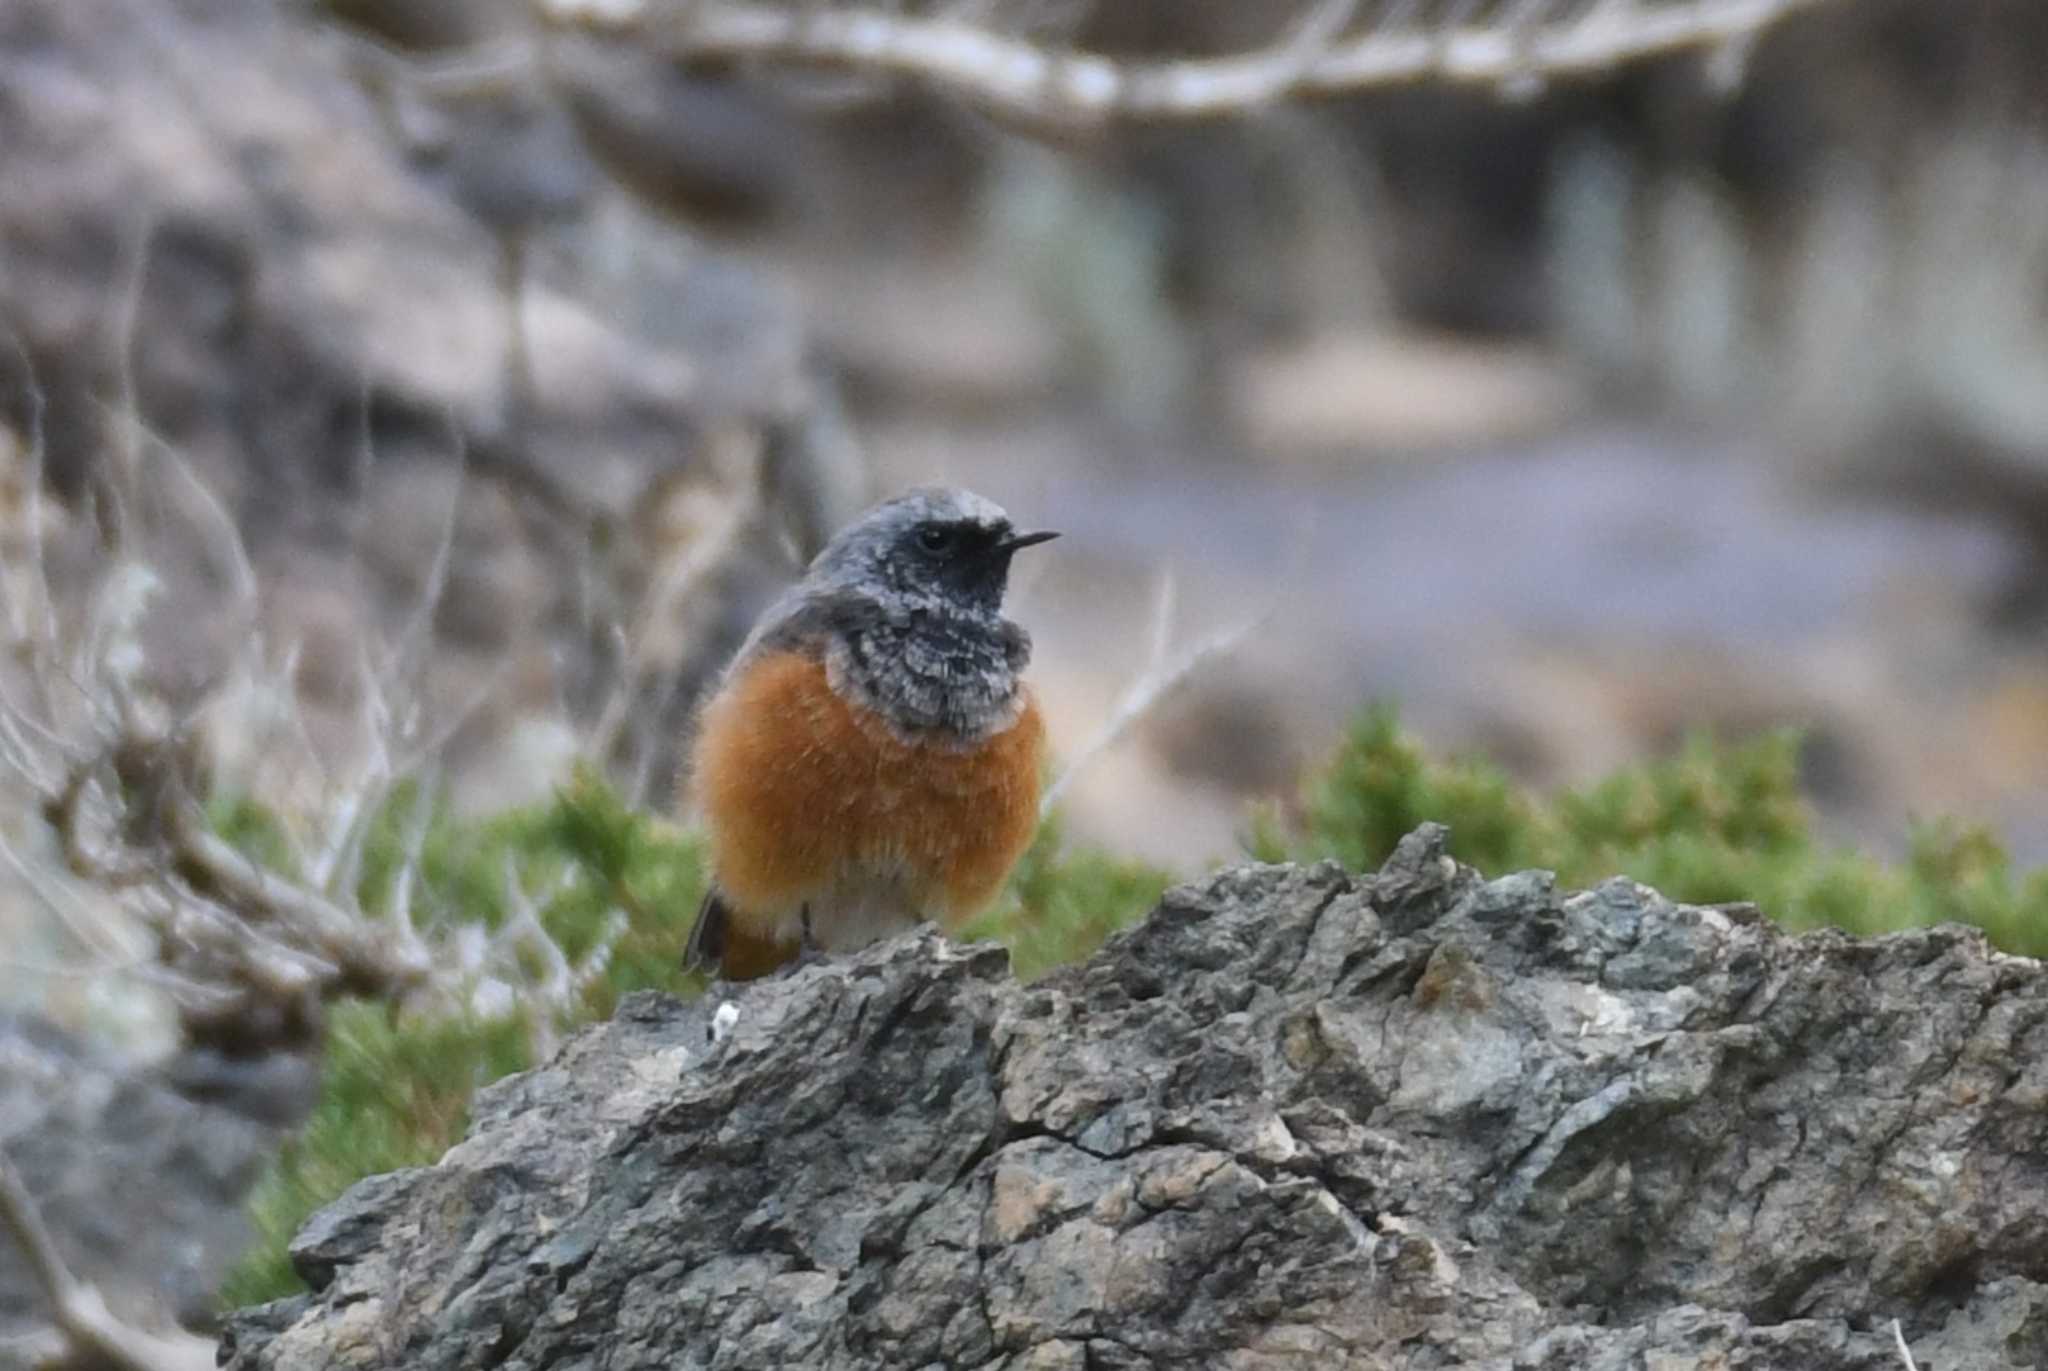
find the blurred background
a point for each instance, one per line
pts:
(413, 403)
(1701, 386)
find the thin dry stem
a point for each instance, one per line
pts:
(523, 928)
(418, 824)
(1165, 672)
(128, 310)
(31, 608)
(410, 648)
(218, 528)
(429, 749)
(88, 926)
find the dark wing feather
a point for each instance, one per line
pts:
(706, 949)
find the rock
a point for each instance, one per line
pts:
(1371, 397)
(1296, 1118)
(306, 278)
(141, 1173)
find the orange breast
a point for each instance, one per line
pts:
(799, 791)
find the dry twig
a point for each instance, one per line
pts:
(1165, 672)
(88, 1329)
(1024, 80)
(118, 774)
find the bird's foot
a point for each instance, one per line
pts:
(808, 952)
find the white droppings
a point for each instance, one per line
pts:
(722, 1020)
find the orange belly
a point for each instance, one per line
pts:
(809, 804)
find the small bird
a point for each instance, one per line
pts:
(871, 759)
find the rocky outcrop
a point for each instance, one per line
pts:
(1297, 1118)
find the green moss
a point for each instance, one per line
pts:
(1716, 822)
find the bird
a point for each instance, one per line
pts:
(871, 759)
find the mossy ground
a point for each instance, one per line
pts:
(1713, 823)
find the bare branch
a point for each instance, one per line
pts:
(87, 1326)
(1320, 27)
(360, 951)
(285, 935)
(1038, 86)
(523, 927)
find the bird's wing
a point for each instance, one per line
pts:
(726, 948)
(706, 949)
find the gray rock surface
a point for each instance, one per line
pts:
(1294, 1119)
(237, 214)
(141, 1181)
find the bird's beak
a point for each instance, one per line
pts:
(1017, 540)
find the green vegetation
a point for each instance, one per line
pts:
(1717, 822)
(396, 1089)
(1714, 823)
(1063, 901)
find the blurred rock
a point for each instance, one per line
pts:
(313, 301)
(299, 280)
(509, 154)
(1295, 1119)
(716, 154)
(139, 1172)
(936, 334)
(1349, 394)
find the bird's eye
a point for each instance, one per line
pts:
(933, 538)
